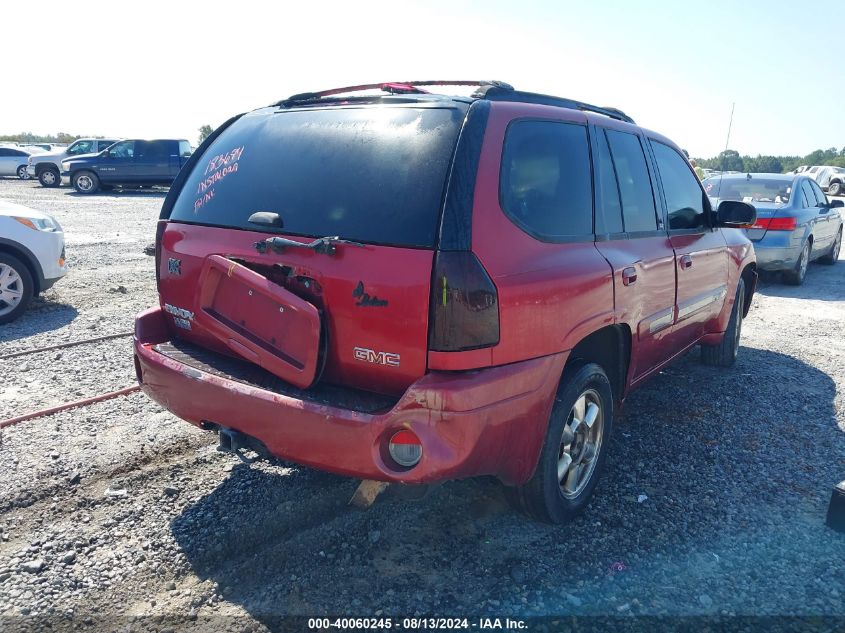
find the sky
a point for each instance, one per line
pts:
(157, 69)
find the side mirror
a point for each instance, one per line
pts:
(735, 215)
(836, 204)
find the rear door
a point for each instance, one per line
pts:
(152, 161)
(700, 251)
(632, 237)
(7, 162)
(372, 175)
(826, 227)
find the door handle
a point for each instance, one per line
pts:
(685, 262)
(629, 276)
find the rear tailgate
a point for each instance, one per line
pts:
(355, 316)
(375, 339)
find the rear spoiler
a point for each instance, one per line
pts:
(179, 182)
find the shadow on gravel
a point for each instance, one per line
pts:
(737, 466)
(43, 315)
(824, 283)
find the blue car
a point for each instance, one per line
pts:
(796, 223)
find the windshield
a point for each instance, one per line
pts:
(370, 174)
(749, 190)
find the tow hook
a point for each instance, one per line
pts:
(232, 441)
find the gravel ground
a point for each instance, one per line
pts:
(119, 510)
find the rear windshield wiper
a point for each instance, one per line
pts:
(324, 245)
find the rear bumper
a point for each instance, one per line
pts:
(778, 250)
(484, 422)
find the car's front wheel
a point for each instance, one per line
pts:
(573, 452)
(16, 287)
(835, 189)
(50, 178)
(795, 277)
(86, 182)
(23, 174)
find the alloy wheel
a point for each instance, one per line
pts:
(84, 183)
(11, 289)
(580, 444)
(48, 177)
(23, 174)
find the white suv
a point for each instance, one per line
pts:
(32, 256)
(47, 167)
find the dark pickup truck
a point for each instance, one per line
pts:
(131, 162)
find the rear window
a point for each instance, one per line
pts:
(372, 174)
(772, 190)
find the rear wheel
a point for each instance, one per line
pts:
(573, 452)
(835, 189)
(795, 277)
(49, 177)
(23, 174)
(86, 182)
(16, 287)
(833, 256)
(724, 354)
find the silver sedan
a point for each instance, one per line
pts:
(796, 223)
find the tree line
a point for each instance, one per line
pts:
(730, 160)
(29, 137)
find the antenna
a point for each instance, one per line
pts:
(727, 142)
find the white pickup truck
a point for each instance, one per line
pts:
(47, 166)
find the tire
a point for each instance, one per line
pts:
(50, 177)
(545, 496)
(724, 354)
(85, 182)
(16, 287)
(835, 189)
(795, 277)
(22, 173)
(833, 255)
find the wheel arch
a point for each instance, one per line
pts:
(610, 348)
(29, 260)
(44, 165)
(749, 277)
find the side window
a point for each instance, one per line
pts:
(822, 199)
(101, 145)
(546, 186)
(809, 196)
(638, 208)
(81, 147)
(124, 149)
(152, 150)
(185, 149)
(684, 198)
(610, 218)
(17, 152)
(5, 152)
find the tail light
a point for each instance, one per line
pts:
(464, 304)
(405, 448)
(159, 234)
(776, 224)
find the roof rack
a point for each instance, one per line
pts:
(492, 90)
(391, 87)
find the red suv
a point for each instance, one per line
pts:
(396, 285)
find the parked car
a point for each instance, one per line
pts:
(32, 257)
(132, 162)
(13, 161)
(830, 179)
(415, 287)
(796, 223)
(47, 167)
